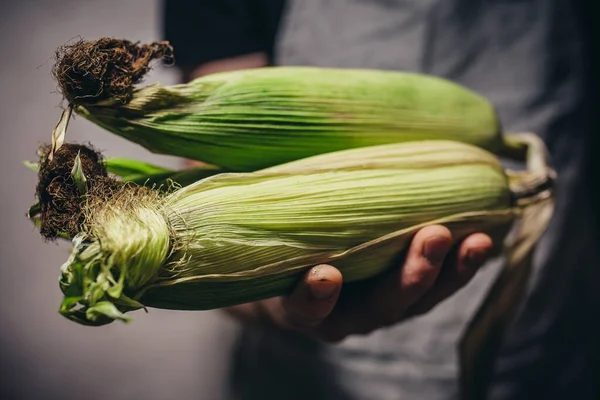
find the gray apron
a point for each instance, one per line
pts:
(525, 56)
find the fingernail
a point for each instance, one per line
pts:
(323, 289)
(475, 258)
(435, 249)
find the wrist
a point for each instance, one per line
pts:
(246, 61)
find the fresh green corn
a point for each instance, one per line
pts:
(239, 237)
(284, 114)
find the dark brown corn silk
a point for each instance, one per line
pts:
(91, 71)
(61, 203)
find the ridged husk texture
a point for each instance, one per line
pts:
(239, 237)
(289, 113)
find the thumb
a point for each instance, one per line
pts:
(312, 300)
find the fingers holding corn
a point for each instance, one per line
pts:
(432, 271)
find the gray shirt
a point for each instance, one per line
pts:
(526, 56)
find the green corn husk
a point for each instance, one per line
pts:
(239, 237)
(142, 173)
(289, 113)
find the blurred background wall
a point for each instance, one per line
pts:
(161, 355)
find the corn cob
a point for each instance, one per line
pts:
(239, 237)
(283, 113)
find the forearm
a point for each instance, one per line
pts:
(246, 61)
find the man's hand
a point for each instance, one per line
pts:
(431, 272)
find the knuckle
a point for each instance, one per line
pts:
(422, 279)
